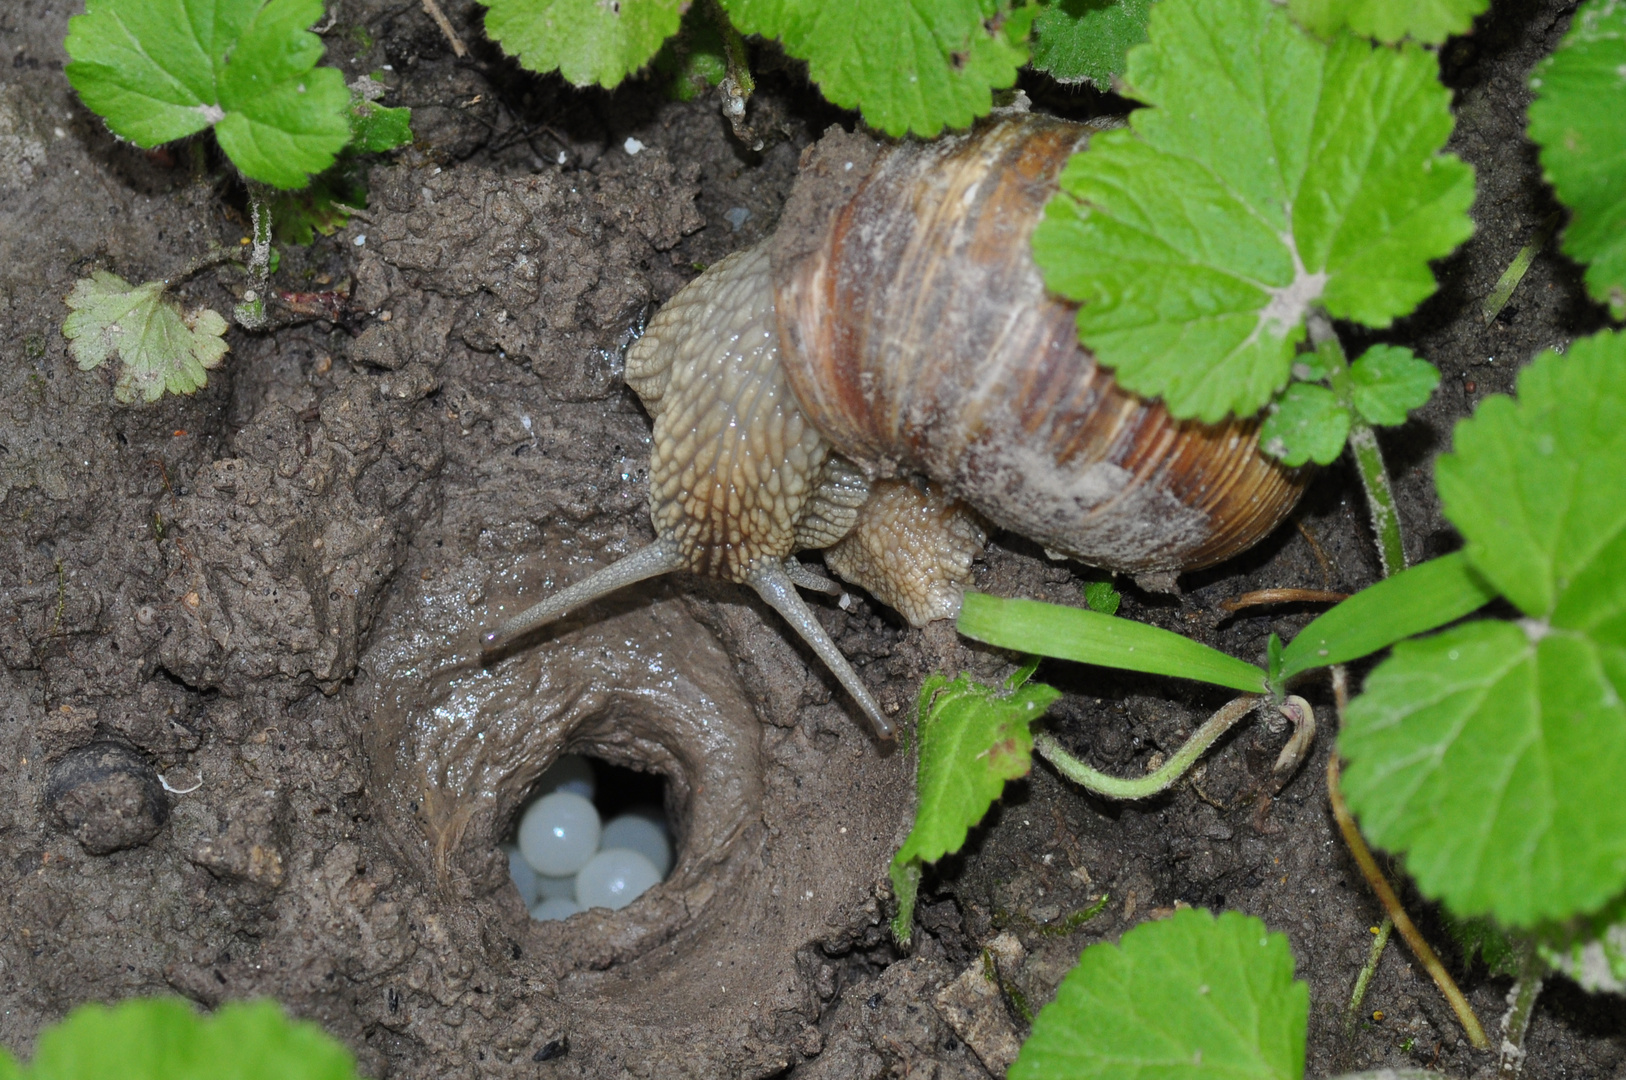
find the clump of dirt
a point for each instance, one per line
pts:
(246, 746)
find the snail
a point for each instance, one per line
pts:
(886, 377)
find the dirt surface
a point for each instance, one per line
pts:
(245, 745)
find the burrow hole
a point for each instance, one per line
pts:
(590, 834)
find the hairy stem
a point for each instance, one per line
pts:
(737, 85)
(1380, 497)
(1363, 446)
(1521, 1003)
(1385, 892)
(250, 314)
(1363, 981)
(1113, 787)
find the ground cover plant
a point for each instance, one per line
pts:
(1271, 341)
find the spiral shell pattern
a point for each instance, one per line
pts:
(918, 336)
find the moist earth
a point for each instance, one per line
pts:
(247, 747)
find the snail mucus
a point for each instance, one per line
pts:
(886, 377)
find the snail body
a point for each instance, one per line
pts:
(887, 373)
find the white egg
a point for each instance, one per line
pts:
(523, 877)
(552, 888)
(559, 833)
(641, 829)
(570, 772)
(555, 907)
(614, 878)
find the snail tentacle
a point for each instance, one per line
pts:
(659, 558)
(774, 584)
(805, 577)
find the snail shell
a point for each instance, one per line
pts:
(918, 336)
(888, 371)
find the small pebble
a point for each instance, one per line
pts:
(632, 146)
(736, 217)
(108, 797)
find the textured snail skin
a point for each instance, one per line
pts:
(888, 370)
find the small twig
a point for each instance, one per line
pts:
(1261, 597)
(445, 24)
(1385, 893)
(1363, 981)
(1315, 549)
(1521, 1004)
(217, 257)
(1163, 778)
(738, 85)
(1509, 281)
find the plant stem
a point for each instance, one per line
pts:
(1380, 497)
(1363, 981)
(1521, 1004)
(737, 85)
(1363, 445)
(250, 314)
(1163, 778)
(1385, 893)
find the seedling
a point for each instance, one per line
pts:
(165, 1039)
(160, 70)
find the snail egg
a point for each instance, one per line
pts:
(641, 829)
(555, 907)
(559, 833)
(554, 888)
(571, 772)
(525, 879)
(614, 878)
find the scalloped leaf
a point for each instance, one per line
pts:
(1190, 996)
(906, 66)
(1579, 121)
(1428, 22)
(1078, 41)
(1493, 755)
(586, 41)
(158, 70)
(1271, 173)
(973, 738)
(159, 347)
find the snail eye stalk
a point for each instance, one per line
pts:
(658, 558)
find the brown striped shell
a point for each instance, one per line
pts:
(918, 336)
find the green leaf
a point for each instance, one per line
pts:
(1102, 597)
(1579, 121)
(161, 349)
(9, 1070)
(973, 738)
(164, 1039)
(323, 207)
(586, 41)
(1272, 172)
(1093, 638)
(1484, 939)
(1535, 486)
(157, 70)
(255, 1041)
(1087, 40)
(1389, 381)
(1308, 423)
(1594, 953)
(143, 1039)
(697, 58)
(906, 66)
(1190, 996)
(1427, 21)
(1494, 755)
(375, 128)
(1414, 601)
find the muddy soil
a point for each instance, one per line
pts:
(246, 746)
